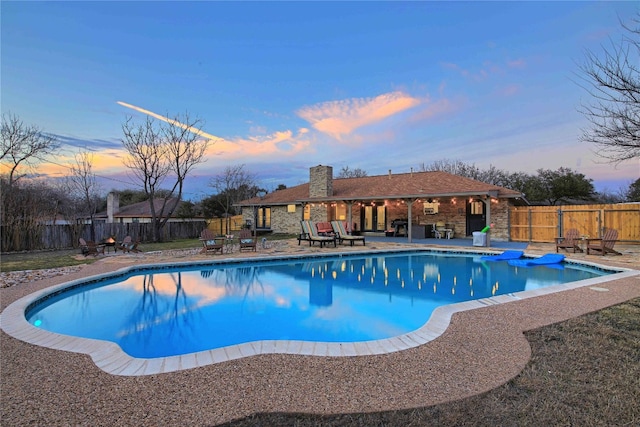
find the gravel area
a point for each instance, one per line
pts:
(480, 350)
(14, 278)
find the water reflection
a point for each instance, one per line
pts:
(183, 310)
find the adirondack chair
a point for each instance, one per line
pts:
(131, 247)
(570, 240)
(90, 248)
(247, 241)
(128, 245)
(210, 242)
(605, 244)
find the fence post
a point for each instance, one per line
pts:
(529, 219)
(560, 225)
(600, 231)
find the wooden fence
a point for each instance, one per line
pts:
(545, 223)
(66, 236)
(221, 226)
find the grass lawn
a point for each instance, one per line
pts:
(583, 372)
(67, 257)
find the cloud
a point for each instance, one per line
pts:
(437, 108)
(276, 143)
(196, 131)
(339, 118)
(87, 144)
(486, 70)
(281, 143)
(516, 63)
(509, 90)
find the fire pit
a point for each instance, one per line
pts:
(110, 243)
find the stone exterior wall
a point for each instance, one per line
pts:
(500, 217)
(319, 213)
(454, 214)
(321, 181)
(283, 221)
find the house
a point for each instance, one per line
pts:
(408, 203)
(136, 212)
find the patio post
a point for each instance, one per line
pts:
(409, 209)
(487, 201)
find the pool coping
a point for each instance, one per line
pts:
(110, 358)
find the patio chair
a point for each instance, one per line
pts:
(84, 249)
(125, 242)
(128, 245)
(211, 243)
(88, 247)
(440, 230)
(605, 244)
(325, 229)
(570, 240)
(247, 241)
(340, 231)
(310, 233)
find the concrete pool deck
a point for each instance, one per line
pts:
(479, 350)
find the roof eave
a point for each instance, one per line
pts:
(488, 193)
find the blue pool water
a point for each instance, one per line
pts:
(172, 311)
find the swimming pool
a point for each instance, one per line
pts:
(354, 304)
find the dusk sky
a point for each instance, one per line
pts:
(284, 86)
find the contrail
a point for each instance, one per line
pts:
(170, 121)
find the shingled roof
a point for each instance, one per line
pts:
(140, 209)
(392, 186)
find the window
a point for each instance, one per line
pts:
(340, 212)
(291, 208)
(307, 212)
(264, 218)
(476, 208)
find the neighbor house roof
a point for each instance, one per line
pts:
(392, 186)
(139, 210)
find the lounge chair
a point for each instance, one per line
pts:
(547, 259)
(570, 240)
(604, 245)
(90, 248)
(211, 243)
(504, 256)
(340, 231)
(247, 241)
(310, 233)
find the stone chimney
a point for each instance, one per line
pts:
(113, 206)
(321, 181)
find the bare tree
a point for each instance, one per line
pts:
(613, 81)
(26, 206)
(233, 185)
(159, 152)
(492, 175)
(347, 172)
(83, 185)
(23, 146)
